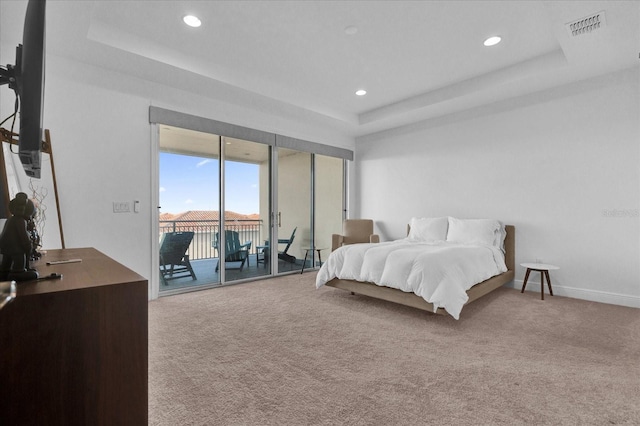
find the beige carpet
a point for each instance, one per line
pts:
(280, 352)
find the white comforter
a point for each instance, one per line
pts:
(440, 273)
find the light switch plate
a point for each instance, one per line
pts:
(121, 207)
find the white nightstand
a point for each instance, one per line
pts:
(544, 269)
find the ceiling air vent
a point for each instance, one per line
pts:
(586, 25)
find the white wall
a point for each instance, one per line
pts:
(556, 164)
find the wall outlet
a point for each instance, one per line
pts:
(121, 207)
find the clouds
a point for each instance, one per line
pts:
(203, 162)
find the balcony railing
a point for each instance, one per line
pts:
(204, 234)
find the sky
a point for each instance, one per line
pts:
(191, 183)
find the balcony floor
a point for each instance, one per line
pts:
(205, 271)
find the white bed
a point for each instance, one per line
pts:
(441, 261)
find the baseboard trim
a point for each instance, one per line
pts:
(580, 293)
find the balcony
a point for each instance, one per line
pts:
(202, 246)
(204, 256)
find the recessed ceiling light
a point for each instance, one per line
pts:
(192, 21)
(361, 92)
(492, 41)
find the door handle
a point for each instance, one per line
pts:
(279, 219)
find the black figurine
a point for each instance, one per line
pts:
(15, 241)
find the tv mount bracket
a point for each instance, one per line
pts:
(11, 73)
(8, 76)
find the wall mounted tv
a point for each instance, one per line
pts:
(26, 78)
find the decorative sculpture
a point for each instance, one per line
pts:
(16, 243)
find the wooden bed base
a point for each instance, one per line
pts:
(410, 299)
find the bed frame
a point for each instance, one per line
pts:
(410, 299)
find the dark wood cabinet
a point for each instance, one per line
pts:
(74, 351)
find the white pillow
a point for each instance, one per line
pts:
(428, 229)
(501, 235)
(488, 232)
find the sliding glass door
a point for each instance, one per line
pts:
(310, 207)
(329, 204)
(237, 203)
(194, 252)
(189, 195)
(247, 209)
(293, 221)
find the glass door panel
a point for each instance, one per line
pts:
(247, 195)
(189, 171)
(293, 218)
(329, 205)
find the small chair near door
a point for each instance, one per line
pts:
(262, 254)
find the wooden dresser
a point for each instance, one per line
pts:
(73, 351)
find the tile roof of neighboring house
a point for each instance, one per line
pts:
(195, 218)
(166, 216)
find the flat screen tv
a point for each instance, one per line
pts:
(26, 78)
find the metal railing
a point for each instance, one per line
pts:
(204, 234)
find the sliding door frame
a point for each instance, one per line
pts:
(158, 116)
(154, 276)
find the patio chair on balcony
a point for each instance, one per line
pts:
(174, 259)
(233, 250)
(283, 255)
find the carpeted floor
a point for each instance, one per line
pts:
(280, 352)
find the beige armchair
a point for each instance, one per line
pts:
(355, 231)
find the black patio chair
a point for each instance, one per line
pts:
(234, 251)
(174, 260)
(283, 255)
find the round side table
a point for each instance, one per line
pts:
(544, 269)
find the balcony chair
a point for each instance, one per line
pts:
(283, 255)
(174, 260)
(354, 231)
(233, 250)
